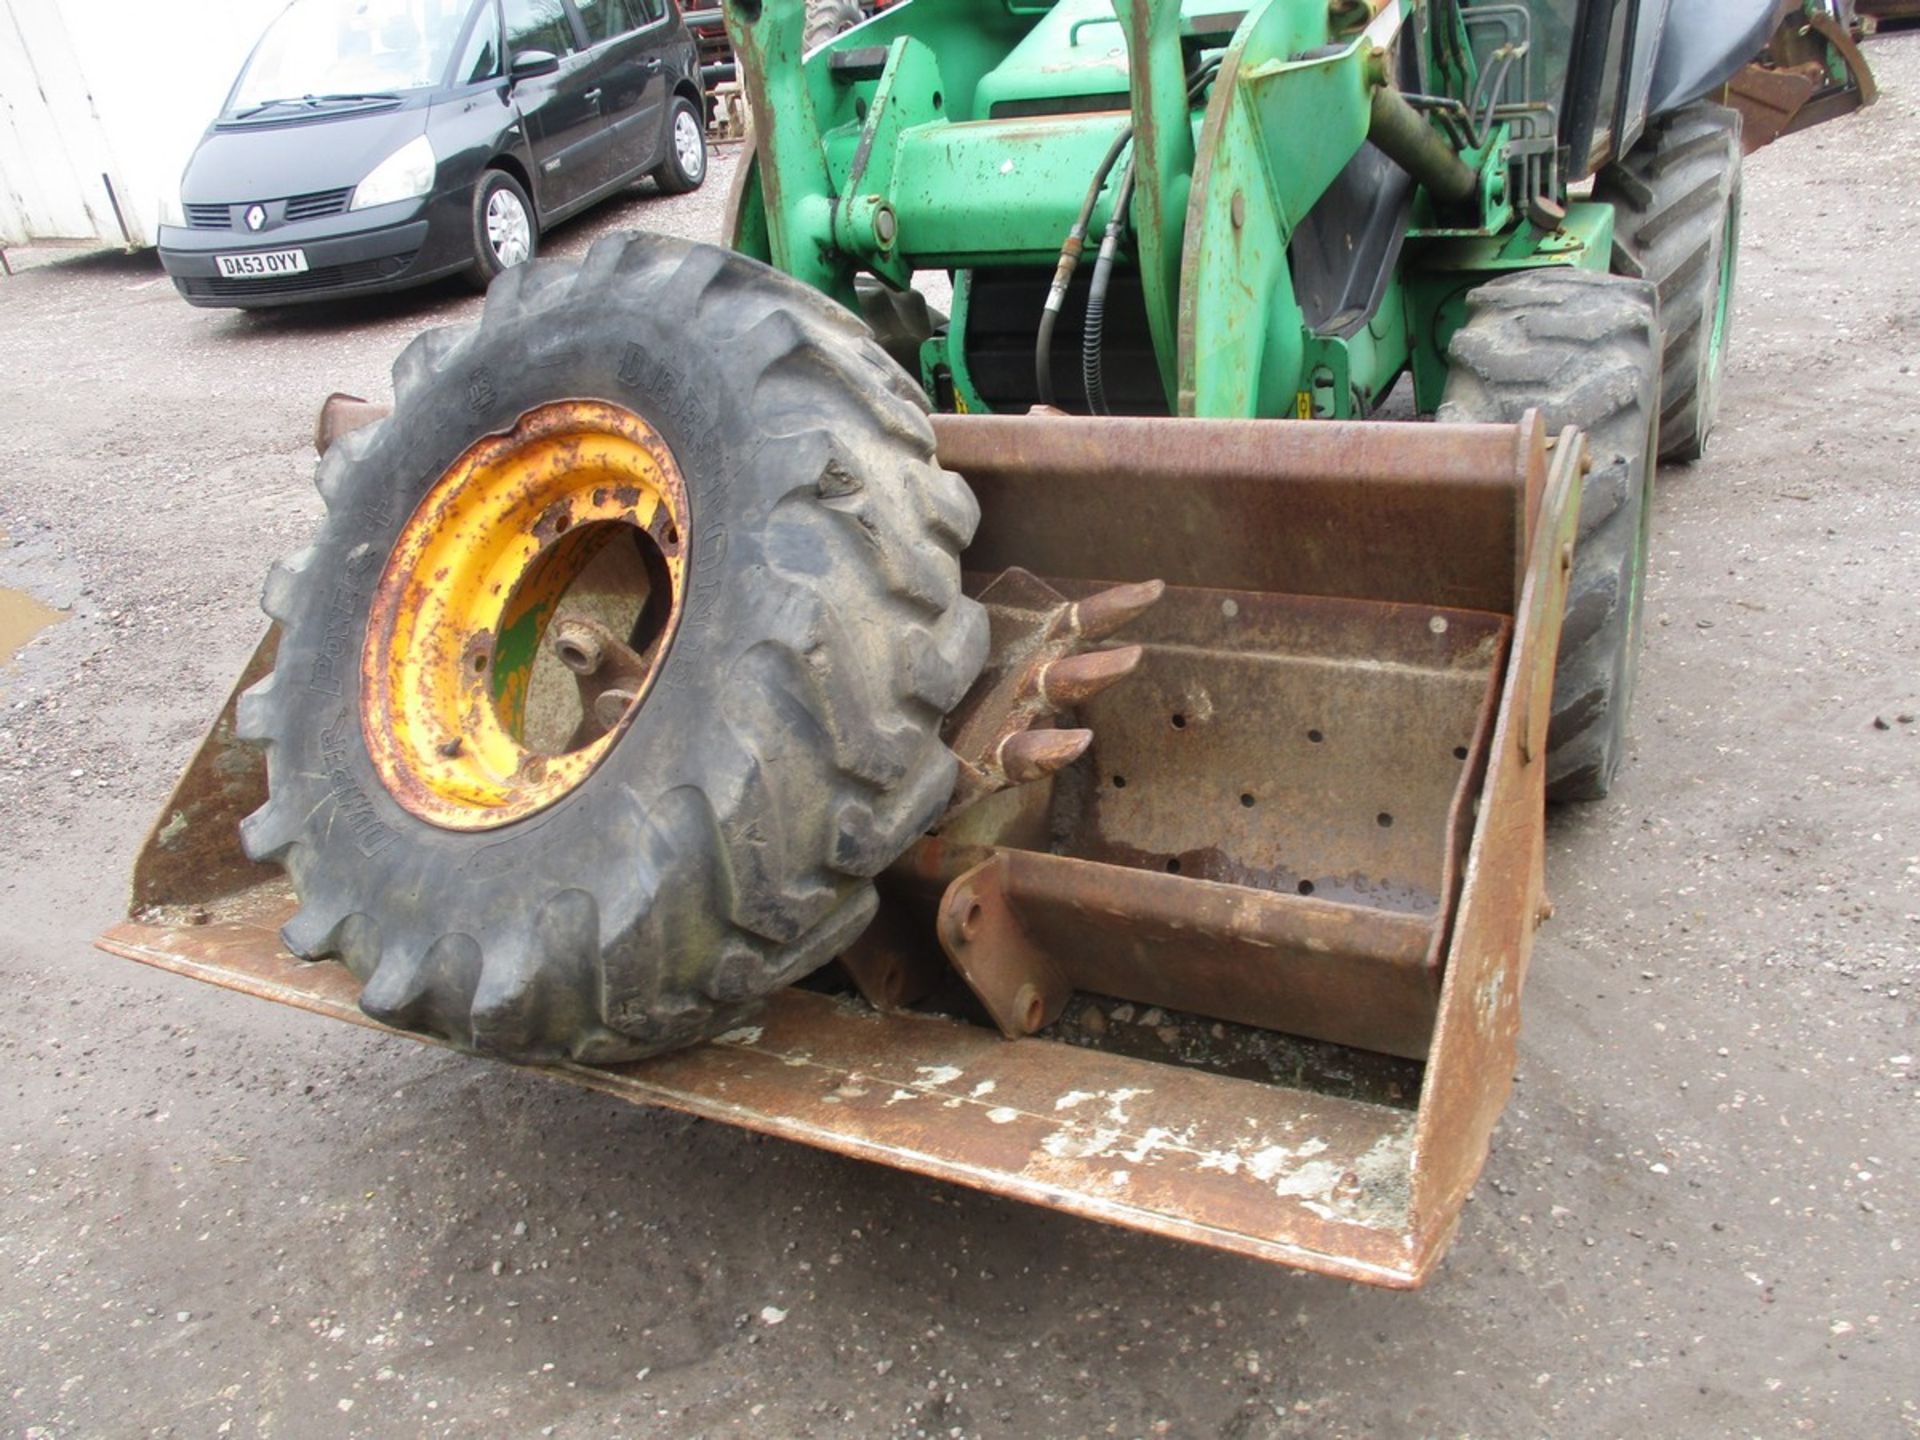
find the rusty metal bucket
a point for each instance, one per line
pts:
(1261, 948)
(1812, 71)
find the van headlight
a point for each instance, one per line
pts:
(172, 212)
(406, 174)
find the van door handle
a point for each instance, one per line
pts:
(592, 95)
(653, 63)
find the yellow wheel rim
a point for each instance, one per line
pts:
(487, 565)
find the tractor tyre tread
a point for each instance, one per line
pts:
(1676, 205)
(789, 749)
(1583, 349)
(828, 18)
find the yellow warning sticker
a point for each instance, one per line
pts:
(1303, 404)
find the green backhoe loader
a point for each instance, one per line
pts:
(1073, 745)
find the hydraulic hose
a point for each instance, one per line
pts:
(1076, 241)
(1091, 362)
(1069, 261)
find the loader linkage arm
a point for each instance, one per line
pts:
(907, 145)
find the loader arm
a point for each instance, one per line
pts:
(942, 138)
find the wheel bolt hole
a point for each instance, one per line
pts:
(673, 533)
(480, 663)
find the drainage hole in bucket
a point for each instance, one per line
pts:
(1459, 752)
(1305, 887)
(1247, 800)
(1173, 865)
(1384, 820)
(1315, 736)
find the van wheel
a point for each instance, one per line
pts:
(686, 163)
(505, 233)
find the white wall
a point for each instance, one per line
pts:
(114, 88)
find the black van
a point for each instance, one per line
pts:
(374, 144)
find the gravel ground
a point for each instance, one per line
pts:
(218, 1217)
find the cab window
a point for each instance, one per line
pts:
(649, 11)
(539, 25)
(480, 60)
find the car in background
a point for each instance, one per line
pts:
(370, 145)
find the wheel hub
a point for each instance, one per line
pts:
(688, 144)
(478, 704)
(509, 232)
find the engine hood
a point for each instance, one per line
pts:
(267, 159)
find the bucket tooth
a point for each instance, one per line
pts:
(1098, 616)
(1075, 679)
(1035, 754)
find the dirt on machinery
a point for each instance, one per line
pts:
(219, 1217)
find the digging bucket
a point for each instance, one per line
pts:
(1247, 973)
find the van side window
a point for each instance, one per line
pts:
(539, 25)
(606, 19)
(650, 10)
(481, 59)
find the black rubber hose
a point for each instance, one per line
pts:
(1076, 241)
(1068, 263)
(1092, 363)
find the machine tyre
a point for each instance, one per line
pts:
(1584, 350)
(901, 320)
(1676, 207)
(828, 18)
(787, 746)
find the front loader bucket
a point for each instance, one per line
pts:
(1812, 71)
(1262, 946)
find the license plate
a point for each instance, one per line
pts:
(262, 264)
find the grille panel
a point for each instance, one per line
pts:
(296, 207)
(321, 202)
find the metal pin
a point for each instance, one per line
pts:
(578, 647)
(610, 705)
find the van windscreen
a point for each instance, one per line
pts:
(350, 49)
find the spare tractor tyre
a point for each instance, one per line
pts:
(1676, 222)
(1583, 349)
(617, 669)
